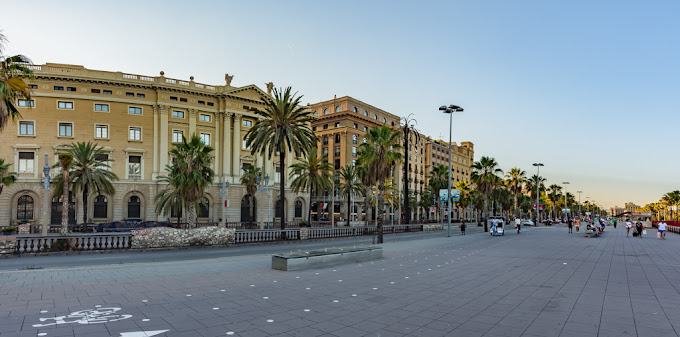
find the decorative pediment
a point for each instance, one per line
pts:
(250, 92)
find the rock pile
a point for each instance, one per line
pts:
(161, 237)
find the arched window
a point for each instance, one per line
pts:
(365, 113)
(325, 111)
(248, 214)
(298, 206)
(204, 208)
(100, 207)
(315, 113)
(134, 207)
(384, 120)
(337, 108)
(375, 117)
(25, 208)
(356, 110)
(277, 209)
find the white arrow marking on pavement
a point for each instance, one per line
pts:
(142, 333)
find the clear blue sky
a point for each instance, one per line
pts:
(589, 88)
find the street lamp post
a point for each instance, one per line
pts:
(565, 198)
(449, 110)
(264, 189)
(579, 203)
(224, 192)
(538, 183)
(46, 203)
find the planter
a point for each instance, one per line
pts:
(7, 232)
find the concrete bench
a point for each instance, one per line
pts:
(325, 257)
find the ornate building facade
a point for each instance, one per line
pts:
(135, 119)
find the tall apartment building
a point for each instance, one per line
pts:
(462, 158)
(135, 119)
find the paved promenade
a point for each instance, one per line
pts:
(543, 282)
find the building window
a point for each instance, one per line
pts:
(26, 162)
(355, 139)
(101, 131)
(95, 91)
(385, 120)
(205, 138)
(141, 95)
(245, 142)
(25, 208)
(28, 103)
(135, 133)
(313, 128)
(247, 123)
(364, 139)
(337, 124)
(201, 102)
(134, 207)
(100, 207)
(354, 151)
(337, 138)
(325, 140)
(325, 111)
(103, 157)
(136, 110)
(134, 167)
(337, 167)
(65, 129)
(58, 88)
(325, 151)
(356, 126)
(365, 128)
(177, 136)
(355, 109)
(107, 92)
(130, 94)
(298, 208)
(203, 210)
(315, 113)
(182, 99)
(337, 108)
(173, 98)
(70, 89)
(211, 103)
(365, 113)
(375, 117)
(26, 128)
(337, 151)
(177, 114)
(33, 86)
(205, 118)
(65, 105)
(325, 126)
(101, 107)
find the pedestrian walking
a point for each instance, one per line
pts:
(639, 227)
(570, 223)
(462, 228)
(614, 223)
(518, 224)
(662, 230)
(577, 223)
(629, 225)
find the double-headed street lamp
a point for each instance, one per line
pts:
(538, 184)
(449, 110)
(264, 189)
(565, 198)
(46, 185)
(579, 203)
(224, 192)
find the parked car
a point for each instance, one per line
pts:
(528, 223)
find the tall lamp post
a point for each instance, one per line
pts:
(538, 193)
(224, 192)
(46, 202)
(265, 188)
(449, 110)
(565, 198)
(579, 203)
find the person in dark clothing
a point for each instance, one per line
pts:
(570, 223)
(639, 228)
(462, 228)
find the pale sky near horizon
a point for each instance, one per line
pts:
(589, 88)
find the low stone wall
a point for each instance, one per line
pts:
(8, 244)
(161, 237)
(436, 227)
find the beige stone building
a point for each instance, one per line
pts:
(462, 158)
(135, 119)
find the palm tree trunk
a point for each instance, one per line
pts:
(85, 195)
(379, 209)
(486, 212)
(516, 206)
(64, 204)
(282, 186)
(349, 209)
(250, 200)
(309, 213)
(191, 214)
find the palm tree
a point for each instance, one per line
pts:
(362, 174)
(464, 195)
(485, 175)
(311, 175)
(380, 154)
(87, 173)
(439, 179)
(426, 201)
(6, 177)
(13, 71)
(673, 199)
(408, 129)
(554, 192)
(65, 161)
(285, 128)
(191, 172)
(169, 199)
(531, 188)
(249, 180)
(350, 186)
(515, 179)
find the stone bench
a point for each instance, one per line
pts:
(325, 257)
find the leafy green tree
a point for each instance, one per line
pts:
(426, 201)
(13, 71)
(169, 199)
(464, 196)
(380, 154)
(485, 176)
(515, 180)
(439, 179)
(349, 187)
(285, 128)
(249, 180)
(191, 172)
(6, 176)
(312, 175)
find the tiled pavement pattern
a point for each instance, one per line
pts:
(543, 282)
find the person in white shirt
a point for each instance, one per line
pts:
(629, 225)
(518, 223)
(662, 230)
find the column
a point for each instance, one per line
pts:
(156, 170)
(192, 123)
(226, 158)
(236, 154)
(163, 135)
(218, 173)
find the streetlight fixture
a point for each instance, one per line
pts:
(266, 190)
(224, 192)
(579, 203)
(449, 110)
(538, 183)
(565, 198)
(46, 185)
